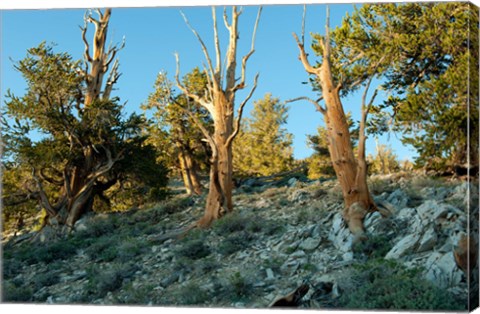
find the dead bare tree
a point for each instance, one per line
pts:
(219, 100)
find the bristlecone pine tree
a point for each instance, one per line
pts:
(345, 66)
(87, 147)
(219, 102)
(173, 131)
(263, 146)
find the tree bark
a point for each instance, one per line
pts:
(219, 101)
(188, 169)
(351, 171)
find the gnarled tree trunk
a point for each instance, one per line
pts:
(86, 175)
(220, 101)
(351, 171)
(188, 170)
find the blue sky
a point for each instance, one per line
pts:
(153, 35)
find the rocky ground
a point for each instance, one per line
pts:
(278, 238)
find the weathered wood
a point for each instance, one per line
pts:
(220, 101)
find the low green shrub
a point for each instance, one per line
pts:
(46, 279)
(192, 294)
(373, 247)
(100, 282)
(387, 285)
(12, 293)
(235, 242)
(239, 287)
(193, 246)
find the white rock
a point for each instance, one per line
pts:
(292, 182)
(371, 220)
(405, 246)
(347, 256)
(340, 235)
(309, 244)
(398, 199)
(270, 274)
(428, 241)
(432, 210)
(442, 270)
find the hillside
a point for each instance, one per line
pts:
(278, 238)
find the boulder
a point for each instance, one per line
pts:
(340, 235)
(442, 270)
(405, 246)
(292, 182)
(428, 240)
(398, 199)
(309, 244)
(432, 210)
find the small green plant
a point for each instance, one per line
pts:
(382, 284)
(100, 282)
(192, 294)
(240, 288)
(235, 242)
(274, 263)
(309, 267)
(46, 279)
(373, 247)
(193, 246)
(230, 223)
(129, 249)
(141, 295)
(104, 249)
(206, 265)
(12, 293)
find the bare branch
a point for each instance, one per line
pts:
(86, 52)
(112, 51)
(354, 59)
(326, 52)
(240, 112)
(303, 57)
(303, 23)
(202, 44)
(193, 96)
(218, 55)
(43, 196)
(225, 18)
(316, 103)
(241, 85)
(198, 123)
(112, 79)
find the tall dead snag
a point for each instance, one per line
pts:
(350, 170)
(98, 62)
(220, 101)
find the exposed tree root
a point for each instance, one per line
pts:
(292, 299)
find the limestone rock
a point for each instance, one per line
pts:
(340, 235)
(398, 199)
(405, 246)
(309, 244)
(428, 240)
(442, 270)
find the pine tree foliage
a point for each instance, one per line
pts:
(63, 153)
(384, 161)
(430, 49)
(319, 163)
(174, 134)
(264, 147)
